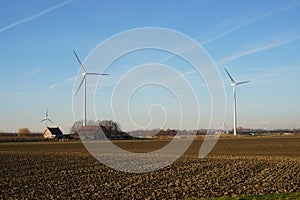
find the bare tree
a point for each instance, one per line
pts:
(76, 126)
(110, 125)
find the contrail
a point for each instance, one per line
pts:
(254, 20)
(17, 23)
(244, 24)
(34, 72)
(54, 85)
(257, 49)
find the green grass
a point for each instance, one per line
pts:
(283, 196)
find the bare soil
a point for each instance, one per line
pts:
(236, 166)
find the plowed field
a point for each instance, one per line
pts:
(235, 167)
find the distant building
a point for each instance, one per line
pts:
(90, 132)
(165, 133)
(97, 132)
(287, 133)
(52, 132)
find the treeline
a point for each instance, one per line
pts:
(112, 130)
(23, 134)
(15, 137)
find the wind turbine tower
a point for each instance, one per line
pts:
(234, 84)
(46, 119)
(84, 75)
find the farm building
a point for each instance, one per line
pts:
(52, 132)
(96, 132)
(89, 132)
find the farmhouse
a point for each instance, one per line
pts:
(52, 132)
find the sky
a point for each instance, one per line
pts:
(255, 40)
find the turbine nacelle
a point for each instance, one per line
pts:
(84, 73)
(233, 83)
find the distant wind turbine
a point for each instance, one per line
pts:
(265, 123)
(234, 84)
(84, 75)
(46, 119)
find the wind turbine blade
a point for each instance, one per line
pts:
(97, 74)
(42, 120)
(80, 84)
(81, 65)
(46, 113)
(239, 83)
(232, 80)
(50, 120)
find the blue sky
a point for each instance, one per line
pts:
(255, 40)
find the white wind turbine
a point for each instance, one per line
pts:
(265, 123)
(234, 84)
(84, 75)
(46, 119)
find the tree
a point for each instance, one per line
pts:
(110, 128)
(76, 126)
(23, 132)
(110, 125)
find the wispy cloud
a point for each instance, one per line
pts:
(180, 76)
(27, 19)
(273, 75)
(34, 72)
(54, 85)
(257, 49)
(70, 79)
(251, 21)
(240, 54)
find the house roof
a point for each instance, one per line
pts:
(88, 130)
(55, 130)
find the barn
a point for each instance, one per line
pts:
(90, 132)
